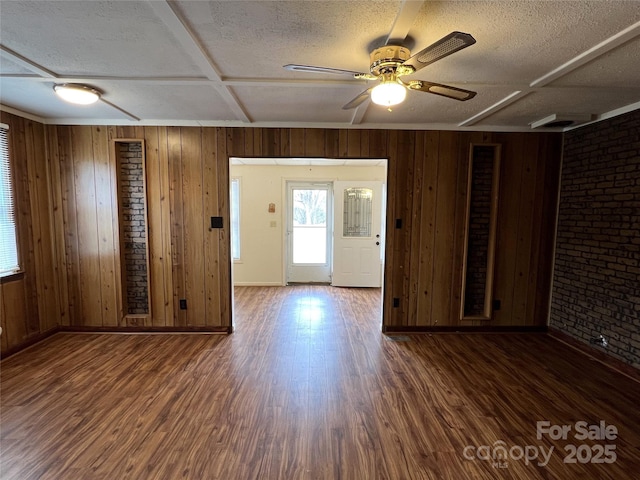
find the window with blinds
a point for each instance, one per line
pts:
(8, 241)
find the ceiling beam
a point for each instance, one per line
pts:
(26, 63)
(169, 15)
(404, 21)
(508, 100)
(168, 12)
(121, 110)
(603, 47)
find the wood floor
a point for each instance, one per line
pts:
(307, 388)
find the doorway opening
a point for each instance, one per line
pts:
(308, 221)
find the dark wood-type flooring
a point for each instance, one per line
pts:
(306, 388)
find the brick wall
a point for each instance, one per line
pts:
(479, 219)
(133, 228)
(596, 288)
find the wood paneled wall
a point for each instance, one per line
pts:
(29, 300)
(187, 181)
(427, 191)
(186, 168)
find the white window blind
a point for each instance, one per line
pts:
(8, 241)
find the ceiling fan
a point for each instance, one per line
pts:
(392, 62)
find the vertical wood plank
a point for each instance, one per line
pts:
(416, 180)
(212, 283)
(314, 143)
(19, 154)
(58, 224)
(86, 211)
(71, 224)
(238, 142)
(364, 144)
(354, 137)
(297, 142)
(174, 146)
(284, 143)
(106, 189)
(536, 222)
(343, 143)
(444, 229)
(165, 206)
(427, 220)
(154, 228)
(4, 338)
(39, 206)
(379, 143)
(115, 207)
(268, 142)
(332, 143)
(525, 229)
(194, 222)
(14, 312)
(404, 207)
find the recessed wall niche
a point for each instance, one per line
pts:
(134, 248)
(480, 232)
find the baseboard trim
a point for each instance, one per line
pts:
(258, 284)
(34, 339)
(596, 354)
(464, 329)
(189, 329)
(29, 342)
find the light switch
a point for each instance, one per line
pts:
(273, 224)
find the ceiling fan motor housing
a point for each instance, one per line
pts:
(385, 60)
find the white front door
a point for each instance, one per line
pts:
(358, 236)
(309, 222)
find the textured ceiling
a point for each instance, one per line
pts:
(220, 62)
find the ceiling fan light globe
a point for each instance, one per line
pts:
(78, 94)
(388, 94)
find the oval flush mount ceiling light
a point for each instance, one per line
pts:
(76, 93)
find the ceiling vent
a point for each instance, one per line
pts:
(563, 120)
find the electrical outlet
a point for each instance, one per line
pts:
(183, 304)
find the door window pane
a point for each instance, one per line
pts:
(309, 226)
(357, 212)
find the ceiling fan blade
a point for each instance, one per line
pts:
(358, 100)
(445, 46)
(444, 90)
(331, 71)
